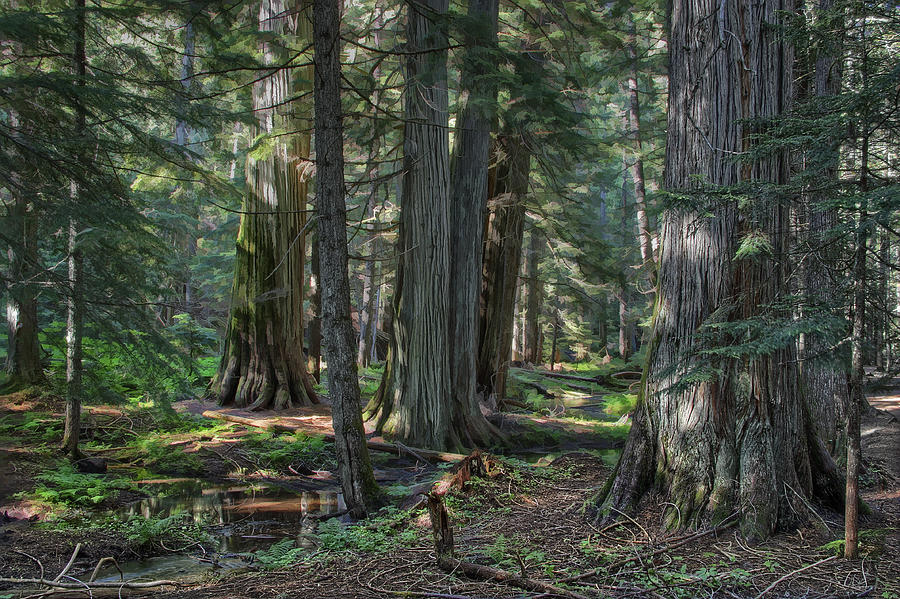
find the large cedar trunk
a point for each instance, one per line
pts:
(413, 402)
(722, 433)
(469, 174)
(504, 230)
(357, 479)
(263, 364)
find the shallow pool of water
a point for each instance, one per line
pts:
(241, 518)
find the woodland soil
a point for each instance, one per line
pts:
(529, 520)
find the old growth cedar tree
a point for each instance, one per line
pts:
(413, 402)
(720, 431)
(263, 365)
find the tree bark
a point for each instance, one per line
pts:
(502, 254)
(314, 355)
(468, 200)
(633, 120)
(413, 402)
(857, 394)
(23, 357)
(262, 364)
(357, 479)
(534, 299)
(719, 433)
(75, 300)
(824, 371)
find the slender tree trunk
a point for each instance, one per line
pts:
(624, 324)
(263, 364)
(716, 434)
(315, 305)
(502, 254)
(534, 301)
(188, 237)
(413, 402)
(366, 323)
(882, 305)
(857, 395)
(75, 301)
(554, 344)
(633, 120)
(357, 479)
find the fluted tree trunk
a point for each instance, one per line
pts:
(262, 364)
(720, 429)
(413, 402)
(314, 353)
(504, 230)
(468, 200)
(357, 478)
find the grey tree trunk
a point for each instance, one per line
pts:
(633, 120)
(357, 478)
(534, 299)
(75, 300)
(314, 354)
(366, 314)
(263, 364)
(502, 253)
(720, 435)
(413, 402)
(23, 357)
(468, 200)
(188, 239)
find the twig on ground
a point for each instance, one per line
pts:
(797, 571)
(68, 565)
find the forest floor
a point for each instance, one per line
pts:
(531, 518)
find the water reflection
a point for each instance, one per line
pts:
(241, 518)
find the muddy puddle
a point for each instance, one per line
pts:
(241, 518)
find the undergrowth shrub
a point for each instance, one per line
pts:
(68, 488)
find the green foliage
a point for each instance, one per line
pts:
(282, 554)
(160, 456)
(142, 531)
(70, 489)
(383, 534)
(36, 426)
(619, 404)
(277, 452)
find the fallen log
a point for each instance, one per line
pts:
(569, 377)
(453, 565)
(270, 425)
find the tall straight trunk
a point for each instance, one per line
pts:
(857, 395)
(718, 434)
(188, 238)
(314, 355)
(504, 230)
(413, 402)
(263, 364)
(624, 324)
(23, 357)
(882, 321)
(554, 344)
(534, 297)
(468, 199)
(75, 301)
(368, 324)
(824, 373)
(636, 166)
(357, 478)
